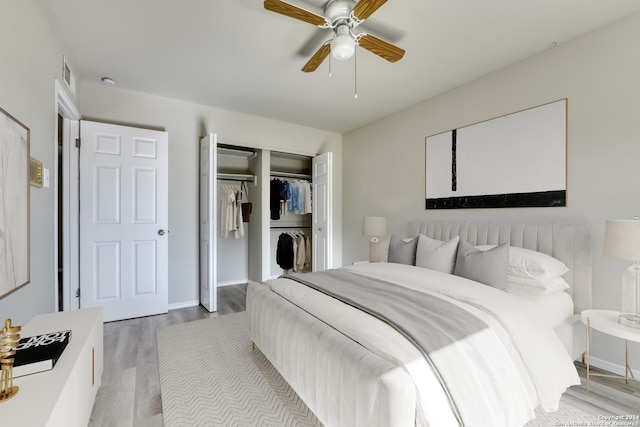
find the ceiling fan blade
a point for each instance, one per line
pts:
(292, 11)
(318, 38)
(317, 58)
(382, 30)
(381, 48)
(364, 8)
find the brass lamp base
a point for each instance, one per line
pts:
(9, 393)
(9, 339)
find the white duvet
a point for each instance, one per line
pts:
(530, 366)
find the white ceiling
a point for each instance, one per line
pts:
(235, 55)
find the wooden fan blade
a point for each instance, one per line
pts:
(292, 11)
(317, 58)
(381, 48)
(364, 8)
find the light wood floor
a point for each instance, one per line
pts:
(130, 392)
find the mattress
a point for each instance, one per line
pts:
(553, 309)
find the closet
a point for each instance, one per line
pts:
(229, 255)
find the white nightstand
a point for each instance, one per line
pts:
(607, 321)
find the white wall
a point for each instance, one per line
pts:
(186, 122)
(599, 73)
(30, 61)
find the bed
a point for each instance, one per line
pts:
(474, 354)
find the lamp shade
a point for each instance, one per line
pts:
(622, 239)
(374, 226)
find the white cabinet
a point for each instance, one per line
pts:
(63, 396)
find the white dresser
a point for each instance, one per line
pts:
(63, 396)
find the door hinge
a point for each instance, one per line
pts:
(77, 142)
(78, 293)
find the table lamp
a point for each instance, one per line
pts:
(374, 226)
(622, 240)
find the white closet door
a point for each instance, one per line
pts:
(208, 222)
(322, 224)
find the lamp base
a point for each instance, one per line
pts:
(628, 319)
(374, 250)
(630, 307)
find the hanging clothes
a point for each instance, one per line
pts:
(301, 199)
(231, 211)
(284, 252)
(245, 205)
(293, 252)
(276, 195)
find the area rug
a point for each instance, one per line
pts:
(210, 377)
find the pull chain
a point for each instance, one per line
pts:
(355, 74)
(329, 65)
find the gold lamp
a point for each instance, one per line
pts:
(9, 339)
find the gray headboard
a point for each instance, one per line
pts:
(570, 243)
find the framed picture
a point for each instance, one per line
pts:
(14, 204)
(516, 160)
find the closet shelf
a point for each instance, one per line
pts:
(275, 174)
(226, 150)
(236, 177)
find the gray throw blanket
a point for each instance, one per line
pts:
(427, 321)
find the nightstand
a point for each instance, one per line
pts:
(606, 321)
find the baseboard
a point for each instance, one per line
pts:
(184, 304)
(231, 283)
(611, 367)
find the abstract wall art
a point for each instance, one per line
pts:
(14, 204)
(516, 160)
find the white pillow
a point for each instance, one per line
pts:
(528, 263)
(529, 285)
(436, 254)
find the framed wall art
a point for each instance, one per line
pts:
(14, 204)
(516, 160)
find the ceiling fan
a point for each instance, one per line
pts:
(341, 16)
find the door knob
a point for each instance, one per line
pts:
(161, 232)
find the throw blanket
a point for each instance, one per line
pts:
(479, 374)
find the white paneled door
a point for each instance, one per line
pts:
(123, 220)
(322, 212)
(208, 198)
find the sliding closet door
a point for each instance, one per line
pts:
(322, 223)
(208, 221)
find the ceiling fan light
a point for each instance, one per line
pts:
(343, 46)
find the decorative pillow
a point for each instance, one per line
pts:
(533, 286)
(436, 254)
(484, 266)
(529, 263)
(402, 251)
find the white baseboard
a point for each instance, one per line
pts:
(184, 304)
(611, 367)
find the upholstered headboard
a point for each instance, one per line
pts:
(570, 243)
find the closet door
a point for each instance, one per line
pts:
(208, 221)
(322, 224)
